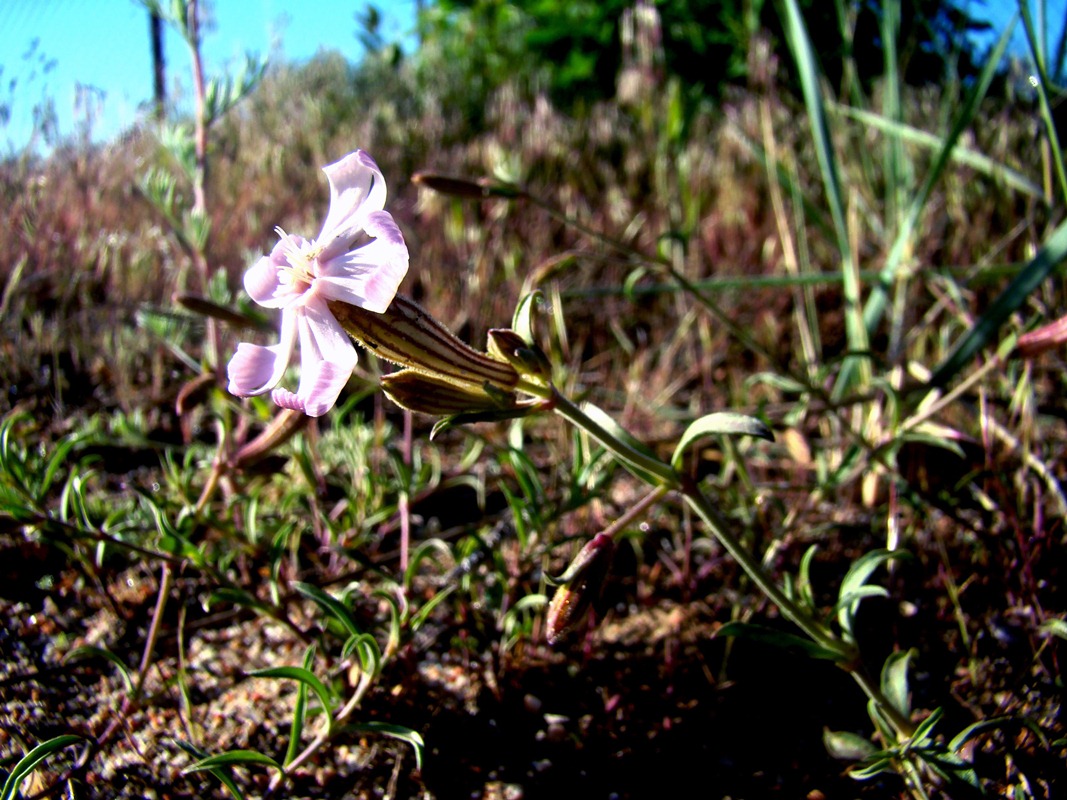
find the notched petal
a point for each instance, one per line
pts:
(283, 398)
(262, 282)
(322, 336)
(320, 388)
(327, 358)
(382, 226)
(254, 369)
(366, 278)
(357, 188)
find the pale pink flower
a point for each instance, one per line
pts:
(359, 258)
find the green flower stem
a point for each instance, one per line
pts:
(536, 387)
(569, 411)
(904, 727)
(699, 502)
(847, 655)
(848, 658)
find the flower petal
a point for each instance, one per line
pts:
(263, 284)
(319, 389)
(322, 336)
(368, 276)
(283, 398)
(299, 278)
(357, 188)
(327, 358)
(254, 369)
(382, 226)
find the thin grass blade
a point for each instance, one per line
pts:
(233, 758)
(824, 148)
(876, 302)
(29, 762)
(1036, 41)
(414, 738)
(307, 678)
(979, 162)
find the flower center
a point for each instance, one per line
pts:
(300, 270)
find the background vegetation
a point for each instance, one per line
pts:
(862, 248)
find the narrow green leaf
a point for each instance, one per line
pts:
(783, 383)
(803, 588)
(57, 461)
(394, 597)
(306, 677)
(1036, 40)
(233, 758)
(527, 475)
(998, 723)
(776, 638)
(238, 597)
(876, 302)
(807, 66)
(721, 422)
(472, 417)
(865, 772)
(631, 281)
(531, 602)
(641, 451)
(931, 438)
(414, 738)
(330, 605)
(221, 775)
(1001, 173)
(893, 159)
(849, 596)
(951, 768)
(370, 655)
(925, 729)
(853, 598)
(420, 616)
(29, 762)
(522, 322)
(435, 550)
(296, 729)
(1054, 627)
(89, 651)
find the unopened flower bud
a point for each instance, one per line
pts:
(527, 359)
(480, 189)
(207, 308)
(579, 586)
